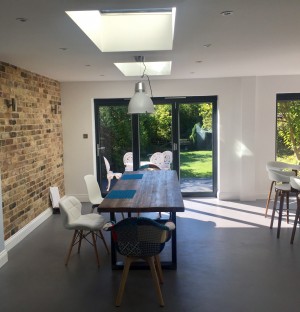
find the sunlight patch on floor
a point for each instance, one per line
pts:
(232, 214)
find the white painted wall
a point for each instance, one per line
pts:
(246, 125)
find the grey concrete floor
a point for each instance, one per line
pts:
(228, 261)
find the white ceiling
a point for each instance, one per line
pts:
(261, 37)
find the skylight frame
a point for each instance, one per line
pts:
(139, 32)
(135, 69)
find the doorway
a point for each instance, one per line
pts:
(185, 126)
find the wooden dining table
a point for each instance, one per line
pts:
(145, 191)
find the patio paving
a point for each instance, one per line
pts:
(196, 185)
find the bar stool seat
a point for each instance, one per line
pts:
(279, 172)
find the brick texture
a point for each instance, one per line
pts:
(31, 145)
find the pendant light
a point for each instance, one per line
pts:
(141, 102)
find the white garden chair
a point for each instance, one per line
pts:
(110, 174)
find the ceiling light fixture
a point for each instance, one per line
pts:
(226, 13)
(141, 103)
(21, 19)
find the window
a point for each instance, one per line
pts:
(288, 128)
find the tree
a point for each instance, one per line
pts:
(205, 111)
(288, 125)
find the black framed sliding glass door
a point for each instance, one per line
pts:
(184, 126)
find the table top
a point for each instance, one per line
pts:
(145, 191)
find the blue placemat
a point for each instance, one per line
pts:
(114, 194)
(132, 176)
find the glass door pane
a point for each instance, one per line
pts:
(196, 142)
(288, 128)
(155, 132)
(114, 139)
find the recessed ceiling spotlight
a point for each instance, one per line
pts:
(198, 61)
(21, 19)
(207, 45)
(226, 13)
(63, 49)
(87, 65)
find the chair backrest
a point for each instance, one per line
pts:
(93, 189)
(139, 237)
(295, 183)
(70, 209)
(168, 158)
(128, 158)
(157, 159)
(107, 165)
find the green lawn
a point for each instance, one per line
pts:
(196, 164)
(291, 159)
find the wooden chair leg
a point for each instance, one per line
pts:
(80, 234)
(128, 262)
(95, 247)
(269, 197)
(296, 221)
(150, 260)
(71, 247)
(158, 269)
(104, 241)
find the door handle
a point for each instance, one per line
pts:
(99, 149)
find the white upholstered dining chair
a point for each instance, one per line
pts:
(93, 189)
(82, 224)
(94, 192)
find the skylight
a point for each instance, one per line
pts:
(123, 30)
(150, 68)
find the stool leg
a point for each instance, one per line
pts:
(296, 221)
(269, 197)
(287, 207)
(274, 209)
(280, 213)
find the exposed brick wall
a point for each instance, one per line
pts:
(31, 145)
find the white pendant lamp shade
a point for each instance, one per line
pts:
(140, 103)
